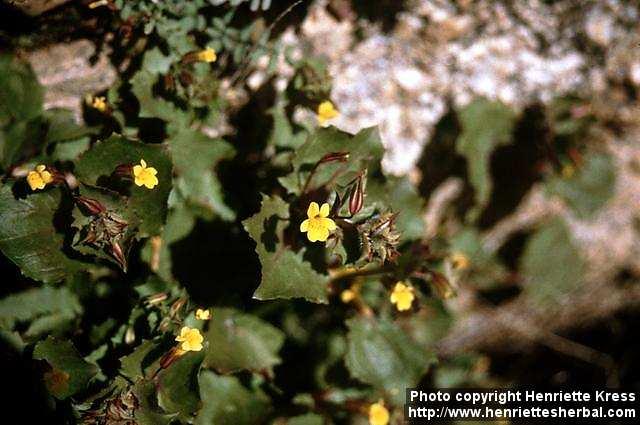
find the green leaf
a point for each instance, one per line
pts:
(365, 151)
(551, 263)
(195, 156)
(589, 188)
(62, 126)
(239, 341)
(70, 372)
(152, 106)
(29, 238)
(226, 402)
(178, 385)
(486, 270)
(380, 354)
(282, 134)
(284, 273)
(144, 360)
(45, 302)
(148, 412)
(485, 126)
(150, 205)
(21, 95)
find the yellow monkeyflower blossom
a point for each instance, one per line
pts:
(318, 225)
(378, 414)
(402, 296)
(326, 111)
(99, 103)
(145, 176)
(459, 261)
(347, 295)
(207, 55)
(203, 314)
(39, 177)
(191, 339)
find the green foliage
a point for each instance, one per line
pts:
(380, 354)
(551, 263)
(285, 274)
(589, 188)
(242, 342)
(69, 372)
(485, 126)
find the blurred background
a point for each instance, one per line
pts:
(518, 122)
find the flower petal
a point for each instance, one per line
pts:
(313, 210)
(324, 210)
(328, 223)
(304, 226)
(143, 163)
(137, 169)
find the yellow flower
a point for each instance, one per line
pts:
(207, 55)
(145, 176)
(402, 296)
(326, 111)
(39, 177)
(378, 414)
(318, 225)
(191, 339)
(203, 314)
(99, 103)
(459, 261)
(347, 296)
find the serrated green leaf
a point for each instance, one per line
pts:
(589, 188)
(284, 273)
(150, 205)
(485, 126)
(226, 402)
(239, 341)
(380, 354)
(178, 385)
(551, 263)
(195, 156)
(29, 238)
(71, 373)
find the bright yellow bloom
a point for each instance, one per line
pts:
(378, 414)
(99, 103)
(207, 55)
(191, 339)
(145, 176)
(326, 111)
(459, 261)
(318, 225)
(39, 177)
(402, 296)
(203, 314)
(347, 295)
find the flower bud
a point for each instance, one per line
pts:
(91, 206)
(334, 156)
(356, 198)
(118, 255)
(442, 285)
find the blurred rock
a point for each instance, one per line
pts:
(35, 7)
(70, 71)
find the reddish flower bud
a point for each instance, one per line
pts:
(118, 255)
(91, 206)
(356, 198)
(334, 156)
(124, 170)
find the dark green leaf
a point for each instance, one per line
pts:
(226, 402)
(178, 385)
(379, 353)
(284, 273)
(70, 372)
(239, 341)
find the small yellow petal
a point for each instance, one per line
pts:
(313, 210)
(304, 226)
(378, 414)
(325, 210)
